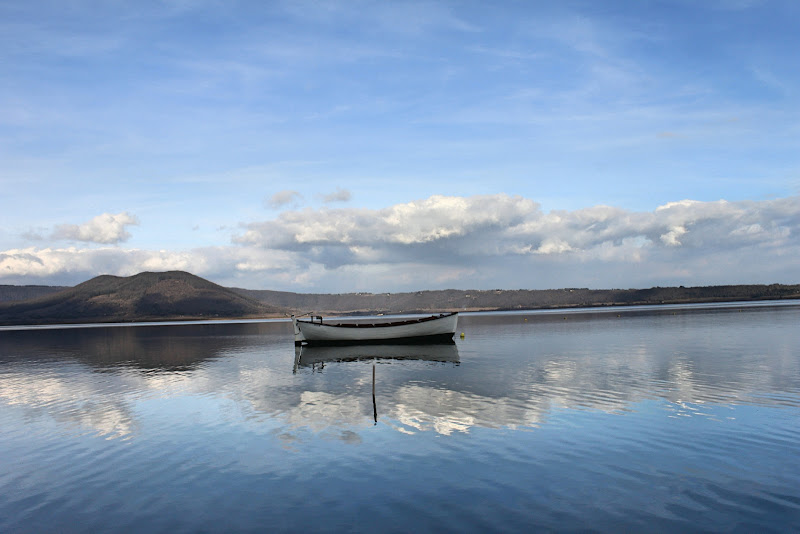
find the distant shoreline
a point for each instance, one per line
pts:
(154, 297)
(645, 303)
(200, 320)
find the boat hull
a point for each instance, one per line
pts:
(439, 329)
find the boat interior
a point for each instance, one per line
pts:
(318, 319)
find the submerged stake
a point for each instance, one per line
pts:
(374, 405)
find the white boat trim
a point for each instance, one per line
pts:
(429, 329)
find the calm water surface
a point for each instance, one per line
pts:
(675, 419)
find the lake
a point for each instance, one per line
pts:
(658, 419)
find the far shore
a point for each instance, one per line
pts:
(200, 319)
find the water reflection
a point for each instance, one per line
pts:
(516, 371)
(91, 379)
(155, 348)
(510, 371)
(317, 357)
(654, 422)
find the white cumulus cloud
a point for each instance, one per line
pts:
(498, 225)
(71, 265)
(471, 242)
(492, 234)
(104, 229)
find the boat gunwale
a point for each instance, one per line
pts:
(432, 339)
(382, 325)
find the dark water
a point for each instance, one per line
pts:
(661, 420)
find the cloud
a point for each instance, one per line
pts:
(490, 233)
(499, 225)
(32, 235)
(432, 220)
(476, 242)
(340, 195)
(284, 198)
(105, 229)
(72, 265)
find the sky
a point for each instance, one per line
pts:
(387, 146)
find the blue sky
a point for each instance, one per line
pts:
(392, 146)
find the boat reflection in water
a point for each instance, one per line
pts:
(316, 357)
(313, 356)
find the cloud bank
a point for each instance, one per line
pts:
(482, 242)
(453, 229)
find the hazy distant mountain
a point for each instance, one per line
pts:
(145, 296)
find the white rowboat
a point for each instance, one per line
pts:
(435, 328)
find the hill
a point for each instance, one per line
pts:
(14, 293)
(144, 297)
